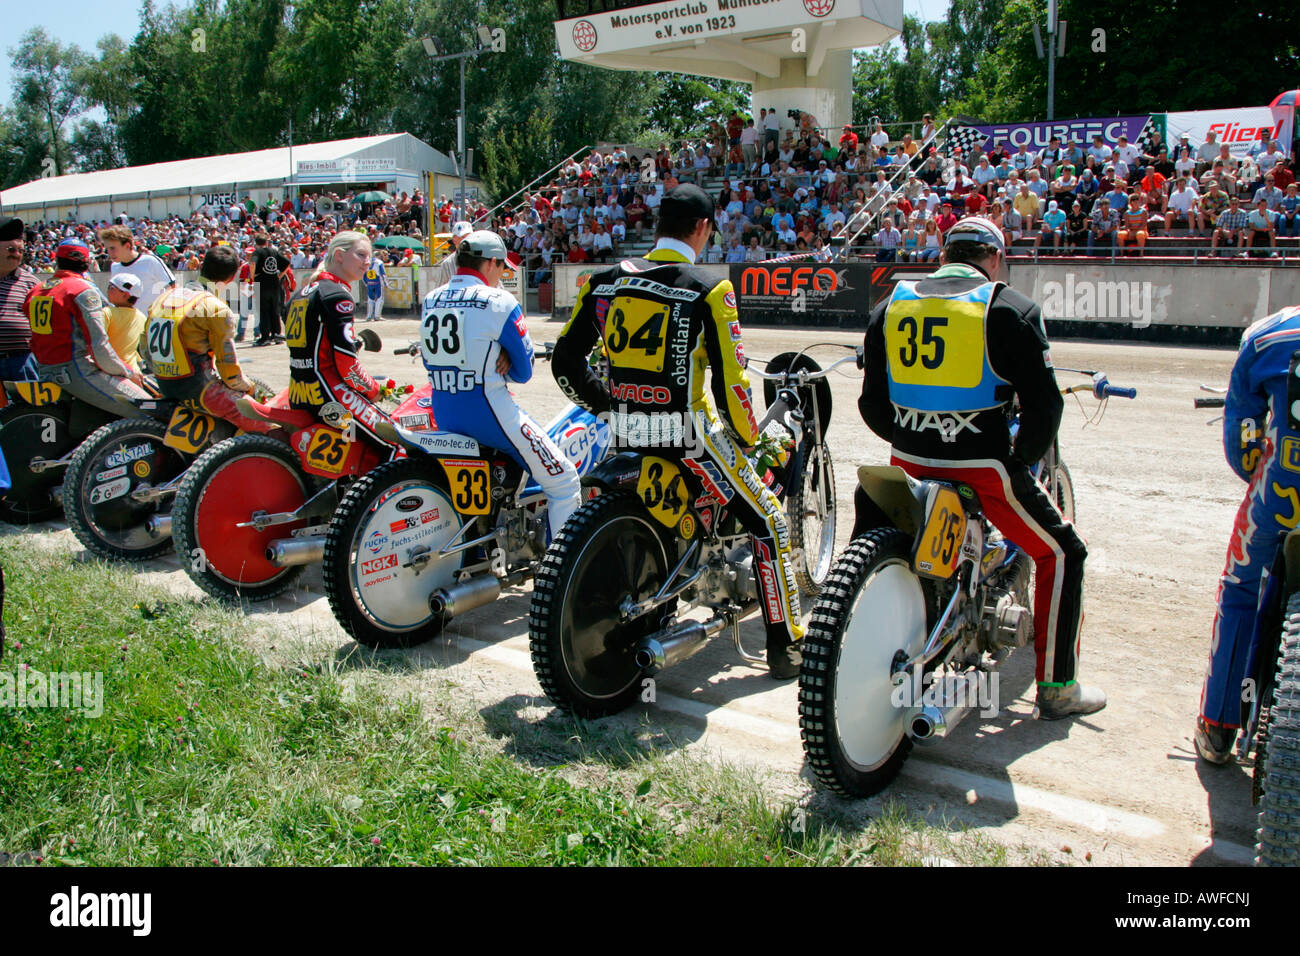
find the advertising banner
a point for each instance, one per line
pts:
(1239, 128)
(1035, 136)
(803, 293)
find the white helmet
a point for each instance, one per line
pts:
(976, 229)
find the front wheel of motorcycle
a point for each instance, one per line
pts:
(608, 551)
(812, 520)
(873, 607)
(1278, 836)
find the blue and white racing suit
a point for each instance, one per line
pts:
(1265, 452)
(375, 280)
(466, 325)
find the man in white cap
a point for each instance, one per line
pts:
(945, 358)
(125, 321)
(447, 267)
(474, 342)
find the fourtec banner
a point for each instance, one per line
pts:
(1035, 136)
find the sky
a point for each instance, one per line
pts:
(83, 22)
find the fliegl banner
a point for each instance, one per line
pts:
(803, 293)
(1239, 128)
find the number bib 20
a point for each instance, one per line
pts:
(189, 429)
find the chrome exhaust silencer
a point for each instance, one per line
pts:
(484, 589)
(675, 644)
(289, 552)
(159, 527)
(929, 723)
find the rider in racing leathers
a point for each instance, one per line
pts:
(664, 324)
(945, 357)
(472, 337)
(190, 343)
(323, 365)
(70, 336)
(1263, 448)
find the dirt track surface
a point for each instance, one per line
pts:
(1155, 501)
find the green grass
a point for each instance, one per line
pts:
(208, 752)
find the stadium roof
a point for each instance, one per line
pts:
(254, 168)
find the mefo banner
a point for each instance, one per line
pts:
(803, 293)
(1239, 127)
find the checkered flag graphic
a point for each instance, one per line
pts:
(967, 138)
(1144, 140)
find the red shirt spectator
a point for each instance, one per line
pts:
(1153, 182)
(578, 254)
(974, 203)
(1282, 177)
(945, 220)
(849, 141)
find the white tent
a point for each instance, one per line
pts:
(397, 161)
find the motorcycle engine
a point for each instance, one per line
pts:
(1006, 621)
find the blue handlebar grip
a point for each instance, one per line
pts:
(1114, 391)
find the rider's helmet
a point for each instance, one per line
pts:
(483, 244)
(976, 229)
(72, 254)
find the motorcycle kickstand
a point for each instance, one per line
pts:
(740, 648)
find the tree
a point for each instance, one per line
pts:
(47, 76)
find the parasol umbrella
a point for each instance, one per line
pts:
(373, 195)
(398, 242)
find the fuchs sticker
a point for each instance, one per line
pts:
(109, 491)
(584, 445)
(426, 402)
(376, 541)
(127, 455)
(430, 515)
(346, 306)
(410, 503)
(112, 473)
(734, 329)
(376, 565)
(729, 300)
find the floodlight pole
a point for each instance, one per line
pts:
(460, 118)
(1051, 59)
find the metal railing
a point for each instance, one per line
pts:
(550, 172)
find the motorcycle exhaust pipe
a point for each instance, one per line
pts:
(289, 552)
(159, 527)
(674, 645)
(484, 589)
(930, 723)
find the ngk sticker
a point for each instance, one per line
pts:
(378, 564)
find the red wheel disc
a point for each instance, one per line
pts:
(252, 483)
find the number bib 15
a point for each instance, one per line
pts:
(470, 487)
(42, 315)
(938, 547)
(189, 429)
(941, 350)
(662, 490)
(38, 393)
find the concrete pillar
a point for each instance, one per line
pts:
(828, 95)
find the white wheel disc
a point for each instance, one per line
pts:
(409, 514)
(888, 615)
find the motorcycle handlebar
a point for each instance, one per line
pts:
(1114, 391)
(1207, 403)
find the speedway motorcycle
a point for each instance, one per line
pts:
(1270, 700)
(611, 595)
(40, 427)
(912, 615)
(426, 538)
(124, 476)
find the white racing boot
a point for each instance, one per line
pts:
(1057, 702)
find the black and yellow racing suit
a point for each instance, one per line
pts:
(665, 323)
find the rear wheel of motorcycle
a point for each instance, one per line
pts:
(221, 490)
(378, 597)
(114, 528)
(872, 607)
(1278, 836)
(812, 520)
(609, 550)
(1064, 491)
(23, 435)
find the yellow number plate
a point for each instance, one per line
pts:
(327, 450)
(470, 486)
(189, 429)
(42, 315)
(938, 548)
(38, 393)
(295, 324)
(936, 342)
(662, 490)
(636, 333)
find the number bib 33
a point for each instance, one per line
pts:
(470, 486)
